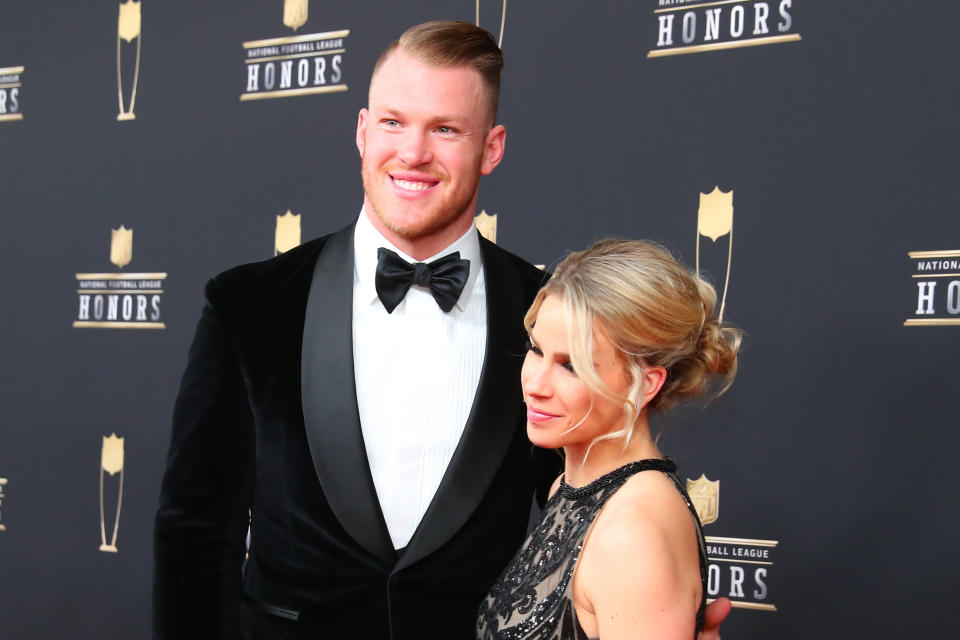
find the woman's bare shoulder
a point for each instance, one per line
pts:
(639, 570)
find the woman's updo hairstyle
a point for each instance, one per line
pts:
(654, 311)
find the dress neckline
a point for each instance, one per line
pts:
(620, 473)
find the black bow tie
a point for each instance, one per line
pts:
(445, 277)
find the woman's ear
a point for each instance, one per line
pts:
(652, 380)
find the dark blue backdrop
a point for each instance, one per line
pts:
(838, 439)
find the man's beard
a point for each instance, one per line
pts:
(441, 215)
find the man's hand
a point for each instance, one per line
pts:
(716, 613)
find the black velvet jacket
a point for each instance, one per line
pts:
(266, 420)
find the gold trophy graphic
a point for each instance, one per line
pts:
(121, 246)
(287, 235)
(503, 20)
(715, 219)
(128, 28)
(295, 13)
(705, 496)
(111, 461)
(487, 225)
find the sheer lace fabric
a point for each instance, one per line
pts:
(533, 598)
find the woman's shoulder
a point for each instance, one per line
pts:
(641, 553)
(647, 512)
(648, 499)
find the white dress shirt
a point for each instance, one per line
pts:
(416, 373)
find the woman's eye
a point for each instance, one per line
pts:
(569, 367)
(529, 346)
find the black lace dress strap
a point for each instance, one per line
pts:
(532, 599)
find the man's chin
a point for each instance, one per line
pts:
(412, 227)
(413, 233)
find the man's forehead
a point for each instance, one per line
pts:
(401, 66)
(427, 87)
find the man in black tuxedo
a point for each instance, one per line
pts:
(357, 398)
(287, 412)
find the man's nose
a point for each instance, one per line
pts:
(415, 149)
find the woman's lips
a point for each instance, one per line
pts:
(539, 416)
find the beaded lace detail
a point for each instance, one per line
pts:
(532, 600)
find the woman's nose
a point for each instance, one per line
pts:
(535, 378)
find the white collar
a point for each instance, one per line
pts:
(367, 239)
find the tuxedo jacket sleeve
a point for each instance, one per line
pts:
(201, 524)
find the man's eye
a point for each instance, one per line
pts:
(391, 123)
(444, 130)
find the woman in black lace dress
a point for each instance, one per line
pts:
(622, 329)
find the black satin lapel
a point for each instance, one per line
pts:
(493, 418)
(330, 400)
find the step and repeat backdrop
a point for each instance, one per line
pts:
(800, 152)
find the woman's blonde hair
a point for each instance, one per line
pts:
(655, 312)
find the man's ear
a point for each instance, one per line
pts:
(362, 130)
(493, 148)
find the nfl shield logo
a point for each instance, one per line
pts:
(111, 454)
(128, 22)
(715, 217)
(295, 13)
(705, 496)
(487, 225)
(287, 235)
(121, 246)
